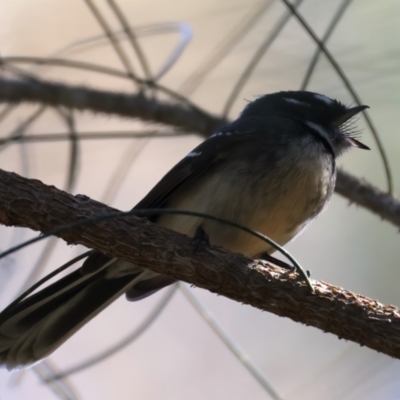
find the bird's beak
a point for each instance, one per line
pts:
(355, 143)
(351, 112)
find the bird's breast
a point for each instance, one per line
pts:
(276, 201)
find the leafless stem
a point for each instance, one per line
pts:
(128, 105)
(368, 196)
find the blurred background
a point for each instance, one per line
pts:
(218, 54)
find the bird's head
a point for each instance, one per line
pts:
(327, 119)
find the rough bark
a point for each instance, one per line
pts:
(30, 203)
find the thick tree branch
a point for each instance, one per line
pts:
(30, 203)
(179, 116)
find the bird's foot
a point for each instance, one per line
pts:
(200, 240)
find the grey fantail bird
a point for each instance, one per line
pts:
(272, 170)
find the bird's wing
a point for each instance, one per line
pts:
(204, 157)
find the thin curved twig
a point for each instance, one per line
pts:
(335, 20)
(73, 138)
(115, 44)
(62, 389)
(121, 171)
(132, 39)
(7, 110)
(16, 133)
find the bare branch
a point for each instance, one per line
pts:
(368, 196)
(30, 203)
(179, 116)
(127, 105)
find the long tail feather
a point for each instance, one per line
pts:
(38, 325)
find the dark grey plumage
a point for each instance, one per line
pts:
(273, 170)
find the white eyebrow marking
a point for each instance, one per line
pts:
(294, 101)
(194, 154)
(323, 98)
(221, 134)
(319, 129)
